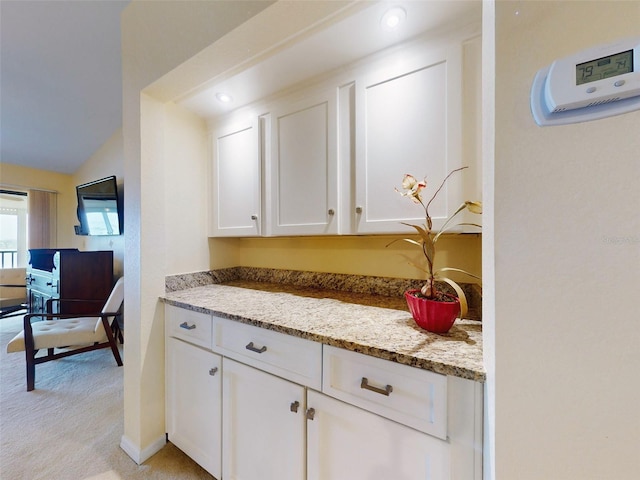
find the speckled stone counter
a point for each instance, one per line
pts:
(375, 325)
(382, 291)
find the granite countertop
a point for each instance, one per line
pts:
(375, 325)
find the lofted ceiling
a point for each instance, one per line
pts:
(60, 81)
(60, 71)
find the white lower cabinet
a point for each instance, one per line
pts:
(347, 443)
(193, 411)
(263, 425)
(380, 419)
(248, 403)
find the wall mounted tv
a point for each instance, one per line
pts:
(99, 208)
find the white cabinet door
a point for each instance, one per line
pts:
(263, 426)
(193, 410)
(303, 174)
(235, 202)
(408, 121)
(347, 443)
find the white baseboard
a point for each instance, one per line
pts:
(140, 456)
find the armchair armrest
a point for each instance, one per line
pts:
(52, 316)
(61, 301)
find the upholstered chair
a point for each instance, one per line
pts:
(63, 335)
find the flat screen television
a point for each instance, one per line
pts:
(99, 208)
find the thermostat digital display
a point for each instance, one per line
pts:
(600, 81)
(605, 67)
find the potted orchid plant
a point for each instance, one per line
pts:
(433, 309)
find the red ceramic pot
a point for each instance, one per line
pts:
(433, 316)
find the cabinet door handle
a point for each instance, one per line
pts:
(186, 326)
(311, 413)
(331, 212)
(294, 406)
(382, 391)
(254, 217)
(213, 371)
(255, 349)
(358, 209)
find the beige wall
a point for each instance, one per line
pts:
(564, 335)
(106, 161)
(360, 255)
(23, 178)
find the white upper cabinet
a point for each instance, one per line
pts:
(236, 183)
(329, 153)
(408, 121)
(303, 190)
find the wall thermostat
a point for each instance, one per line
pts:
(595, 83)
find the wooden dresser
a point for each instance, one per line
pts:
(69, 274)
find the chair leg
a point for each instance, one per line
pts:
(112, 341)
(116, 353)
(117, 331)
(30, 353)
(31, 372)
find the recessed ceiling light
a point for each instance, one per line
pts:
(224, 97)
(392, 18)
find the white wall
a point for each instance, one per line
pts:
(156, 37)
(566, 333)
(186, 187)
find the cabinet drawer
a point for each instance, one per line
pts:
(411, 396)
(289, 357)
(187, 325)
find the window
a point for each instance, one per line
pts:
(13, 229)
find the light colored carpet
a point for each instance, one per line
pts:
(69, 427)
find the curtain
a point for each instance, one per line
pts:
(42, 219)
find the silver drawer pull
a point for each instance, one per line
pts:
(294, 406)
(382, 391)
(311, 413)
(186, 326)
(255, 349)
(213, 371)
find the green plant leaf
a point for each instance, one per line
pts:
(459, 270)
(413, 242)
(422, 231)
(429, 248)
(474, 207)
(464, 306)
(413, 264)
(460, 208)
(445, 230)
